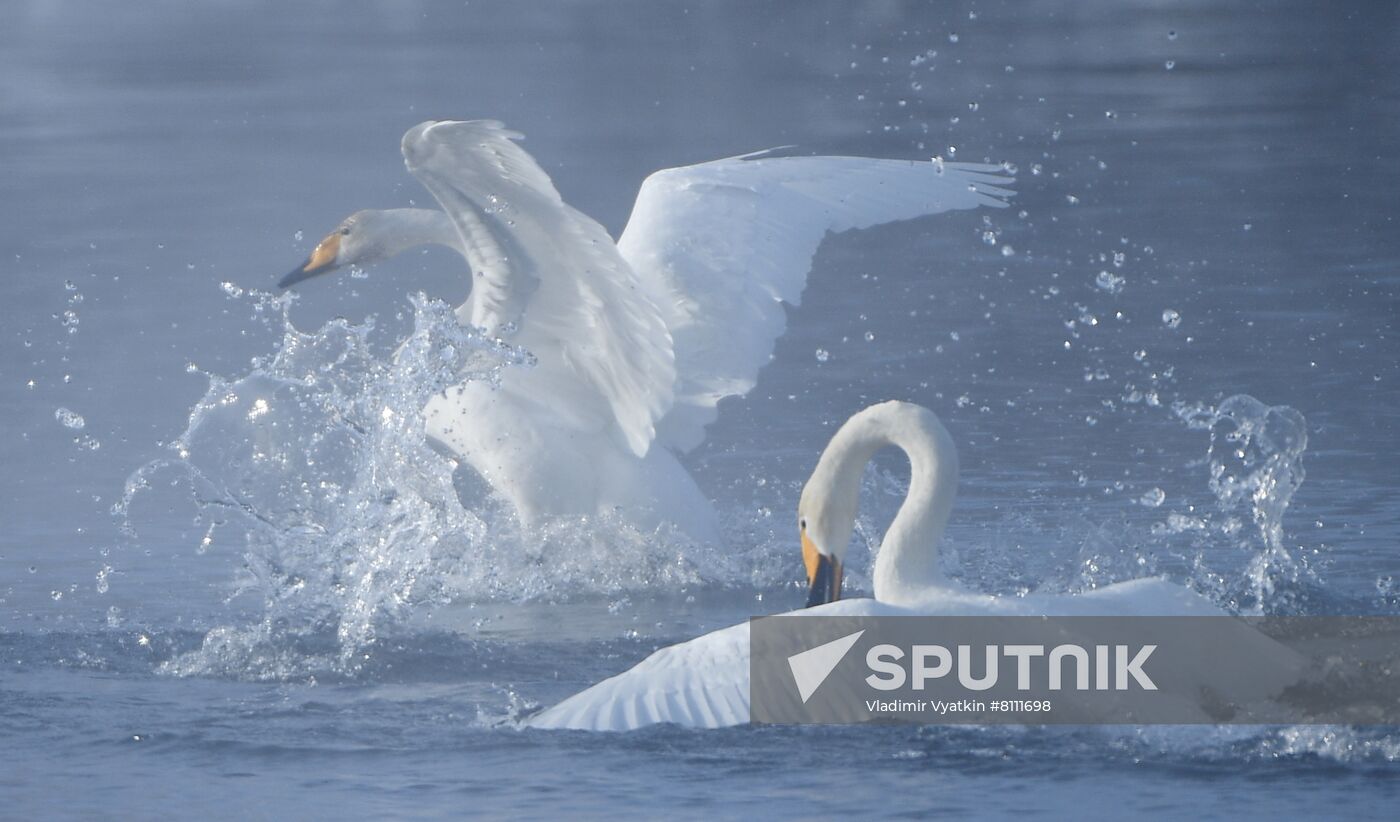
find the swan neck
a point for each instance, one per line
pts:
(907, 563)
(403, 229)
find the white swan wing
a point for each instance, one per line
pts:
(548, 268)
(722, 244)
(701, 683)
(704, 683)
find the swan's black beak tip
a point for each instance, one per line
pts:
(825, 582)
(296, 276)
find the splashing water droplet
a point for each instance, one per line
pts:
(823, 355)
(69, 419)
(1171, 318)
(1255, 461)
(1110, 282)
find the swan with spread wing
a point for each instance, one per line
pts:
(636, 341)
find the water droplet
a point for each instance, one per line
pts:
(953, 38)
(870, 336)
(1153, 498)
(1008, 251)
(823, 355)
(1171, 35)
(1110, 282)
(1170, 64)
(69, 419)
(230, 289)
(1171, 318)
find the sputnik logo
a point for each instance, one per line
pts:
(811, 667)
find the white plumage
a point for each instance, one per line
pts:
(704, 683)
(636, 341)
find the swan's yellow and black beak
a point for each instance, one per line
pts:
(823, 574)
(321, 261)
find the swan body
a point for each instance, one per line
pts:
(704, 683)
(635, 341)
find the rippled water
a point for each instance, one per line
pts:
(234, 582)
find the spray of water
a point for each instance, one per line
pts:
(348, 518)
(1255, 465)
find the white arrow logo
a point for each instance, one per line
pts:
(811, 668)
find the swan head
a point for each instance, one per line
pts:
(358, 240)
(825, 519)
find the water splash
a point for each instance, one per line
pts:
(315, 465)
(1255, 464)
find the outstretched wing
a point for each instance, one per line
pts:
(548, 268)
(703, 683)
(721, 244)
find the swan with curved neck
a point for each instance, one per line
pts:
(635, 341)
(705, 682)
(906, 566)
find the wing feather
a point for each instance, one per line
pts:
(703, 683)
(722, 244)
(549, 269)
